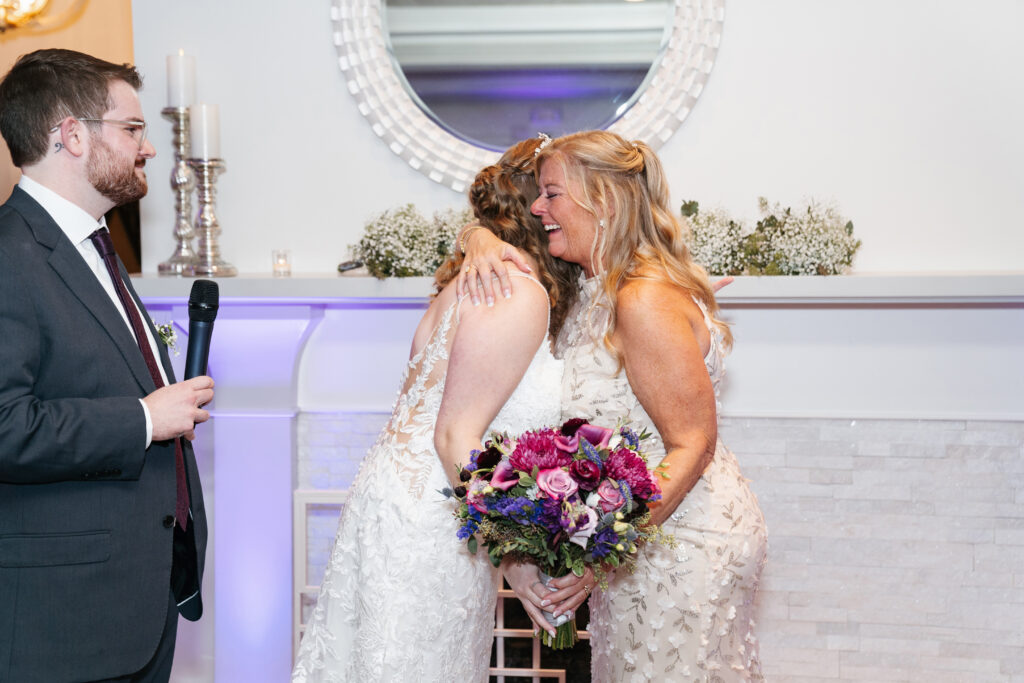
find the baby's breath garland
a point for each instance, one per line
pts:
(815, 241)
(401, 242)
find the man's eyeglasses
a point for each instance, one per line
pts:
(136, 129)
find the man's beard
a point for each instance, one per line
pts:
(112, 177)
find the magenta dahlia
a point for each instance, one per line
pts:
(537, 449)
(624, 464)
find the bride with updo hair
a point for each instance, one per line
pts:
(402, 598)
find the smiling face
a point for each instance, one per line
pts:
(572, 230)
(116, 163)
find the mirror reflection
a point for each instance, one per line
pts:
(493, 73)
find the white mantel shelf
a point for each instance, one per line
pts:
(988, 288)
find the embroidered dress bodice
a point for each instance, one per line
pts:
(402, 598)
(686, 614)
(592, 381)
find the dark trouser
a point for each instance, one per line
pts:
(158, 670)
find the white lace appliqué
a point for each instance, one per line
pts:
(686, 614)
(402, 598)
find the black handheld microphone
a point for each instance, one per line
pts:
(202, 309)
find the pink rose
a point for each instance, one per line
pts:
(609, 497)
(504, 477)
(556, 483)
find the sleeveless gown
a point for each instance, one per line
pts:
(686, 613)
(402, 598)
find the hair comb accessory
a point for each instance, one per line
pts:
(545, 140)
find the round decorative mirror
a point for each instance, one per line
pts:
(449, 84)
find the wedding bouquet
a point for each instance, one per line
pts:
(564, 499)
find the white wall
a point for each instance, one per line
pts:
(906, 113)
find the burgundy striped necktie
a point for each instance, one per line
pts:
(105, 247)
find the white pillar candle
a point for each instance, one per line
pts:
(181, 80)
(205, 131)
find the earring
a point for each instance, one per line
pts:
(600, 224)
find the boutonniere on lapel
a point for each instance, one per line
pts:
(168, 336)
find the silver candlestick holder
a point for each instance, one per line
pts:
(208, 262)
(183, 181)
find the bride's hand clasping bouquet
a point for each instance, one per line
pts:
(564, 499)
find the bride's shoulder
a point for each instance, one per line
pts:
(646, 298)
(646, 289)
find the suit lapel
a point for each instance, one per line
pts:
(71, 268)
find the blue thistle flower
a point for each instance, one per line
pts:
(630, 438)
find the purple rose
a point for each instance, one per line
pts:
(586, 472)
(556, 483)
(504, 477)
(608, 496)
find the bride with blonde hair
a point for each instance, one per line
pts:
(644, 343)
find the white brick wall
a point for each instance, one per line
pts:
(896, 547)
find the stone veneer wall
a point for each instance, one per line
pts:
(896, 546)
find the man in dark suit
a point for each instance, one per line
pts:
(102, 526)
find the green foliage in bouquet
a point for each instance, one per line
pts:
(815, 241)
(401, 242)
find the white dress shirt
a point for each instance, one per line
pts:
(78, 225)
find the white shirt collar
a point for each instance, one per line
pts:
(76, 223)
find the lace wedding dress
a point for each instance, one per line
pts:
(686, 613)
(402, 598)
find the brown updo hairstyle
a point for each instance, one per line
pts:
(642, 237)
(501, 195)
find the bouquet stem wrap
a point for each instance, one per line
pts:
(566, 634)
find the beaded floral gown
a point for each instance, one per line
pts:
(402, 598)
(687, 613)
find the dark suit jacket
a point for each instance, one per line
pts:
(85, 538)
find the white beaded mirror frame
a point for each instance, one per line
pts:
(380, 93)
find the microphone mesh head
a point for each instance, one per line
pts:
(203, 301)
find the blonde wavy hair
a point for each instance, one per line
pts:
(623, 184)
(501, 195)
